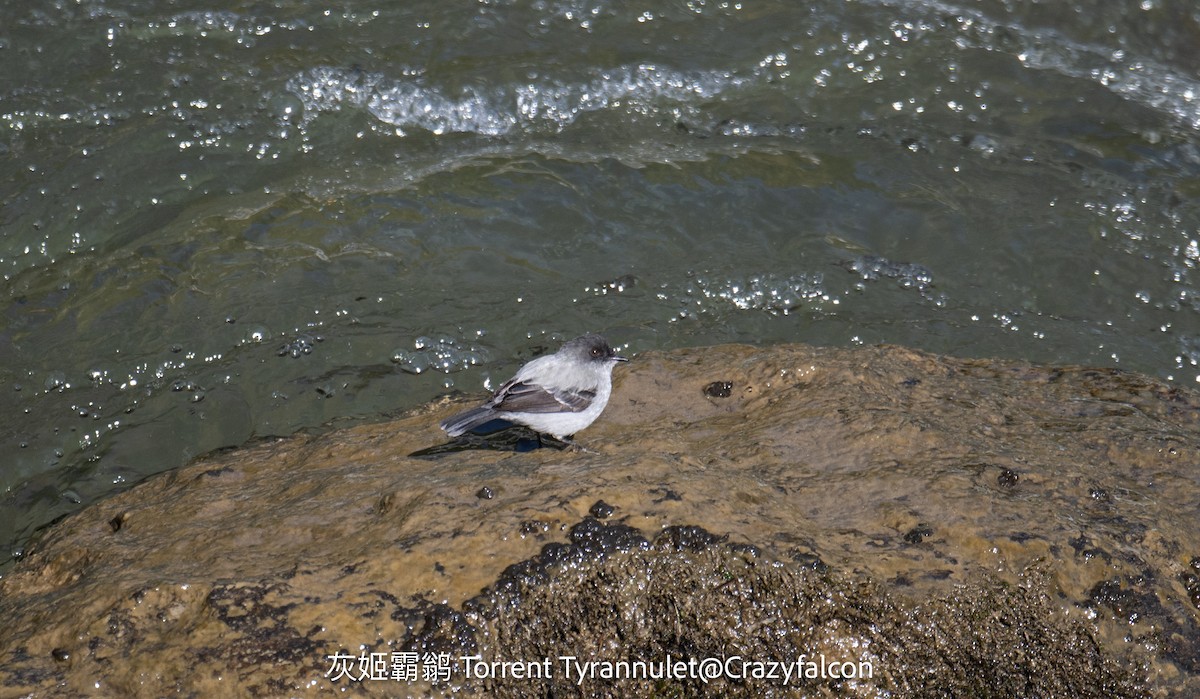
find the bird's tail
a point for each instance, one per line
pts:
(465, 422)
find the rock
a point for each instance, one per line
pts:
(932, 519)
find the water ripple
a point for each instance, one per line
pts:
(412, 102)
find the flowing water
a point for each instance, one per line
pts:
(225, 221)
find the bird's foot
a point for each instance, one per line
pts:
(562, 444)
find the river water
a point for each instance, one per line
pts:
(223, 222)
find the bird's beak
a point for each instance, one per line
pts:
(619, 358)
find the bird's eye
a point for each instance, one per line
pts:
(595, 351)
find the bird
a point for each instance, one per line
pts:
(557, 394)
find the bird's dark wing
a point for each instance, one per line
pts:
(523, 397)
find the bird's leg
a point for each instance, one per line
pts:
(562, 444)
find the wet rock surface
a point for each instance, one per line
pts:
(962, 527)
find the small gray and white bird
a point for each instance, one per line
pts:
(557, 394)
